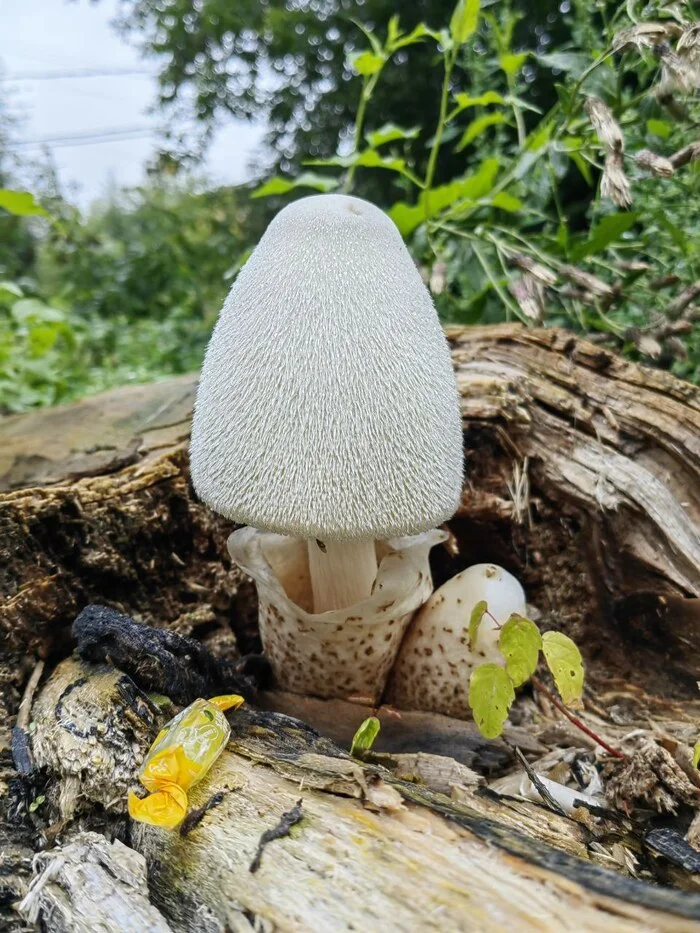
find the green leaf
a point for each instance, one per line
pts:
(366, 63)
(677, 235)
(564, 661)
(507, 202)
(36, 803)
(520, 642)
(463, 101)
(477, 127)
(516, 101)
(696, 754)
(464, 20)
(512, 62)
(583, 167)
(393, 30)
(370, 36)
(20, 203)
(419, 33)
(364, 738)
(491, 695)
(33, 311)
(43, 337)
(610, 229)
(659, 128)
(372, 159)
(11, 288)
(389, 133)
(573, 63)
(279, 185)
(407, 217)
(539, 138)
(475, 621)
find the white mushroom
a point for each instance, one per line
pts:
(436, 659)
(327, 408)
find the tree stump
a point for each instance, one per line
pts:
(582, 480)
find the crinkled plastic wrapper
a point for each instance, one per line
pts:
(344, 652)
(182, 754)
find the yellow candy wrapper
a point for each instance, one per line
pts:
(180, 757)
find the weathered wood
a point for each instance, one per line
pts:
(91, 885)
(372, 850)
(582, 480)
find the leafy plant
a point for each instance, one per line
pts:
(125, 295)
(540, 228)
(364, 738)
(492, 686)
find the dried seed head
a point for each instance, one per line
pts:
(529, 293)
(437, 280)
(677, 348)
(656, 164)
(605, 125)
(614, 184)
(536, 269)
(689, 153)
(633, 266)
(689, 41)
(643, 36)
(682, 300)
(647, 345)
(590, 282)
(665, 96)
(681, 72)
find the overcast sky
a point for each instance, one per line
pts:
(47, 36)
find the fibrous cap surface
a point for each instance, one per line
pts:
(327, 405)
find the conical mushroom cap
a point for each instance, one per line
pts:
(327, 406)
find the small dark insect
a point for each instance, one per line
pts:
(321, 545)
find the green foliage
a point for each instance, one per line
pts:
(696, 755)
(364, 738)
(475, 621)
(543, 230)
(492, 686)
(278, 185)
(289, 64)
(520, 643)
(38, 346)
(134, 291)
(20, 203)
(464, 21)
(473, 132)
(491, 695)
(565, 663)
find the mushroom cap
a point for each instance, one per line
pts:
(327, 406)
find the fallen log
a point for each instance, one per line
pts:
(582, 481)
(369, 848)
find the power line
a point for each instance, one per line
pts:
(82, 73)
(88, 138)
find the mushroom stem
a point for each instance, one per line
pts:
(342, 572)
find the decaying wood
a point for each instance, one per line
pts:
(371, 848)
(91, 885)
(583, 480)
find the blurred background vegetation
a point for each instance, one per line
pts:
(541, 160)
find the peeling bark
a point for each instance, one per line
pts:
(90, 885)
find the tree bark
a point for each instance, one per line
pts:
(582, 480)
